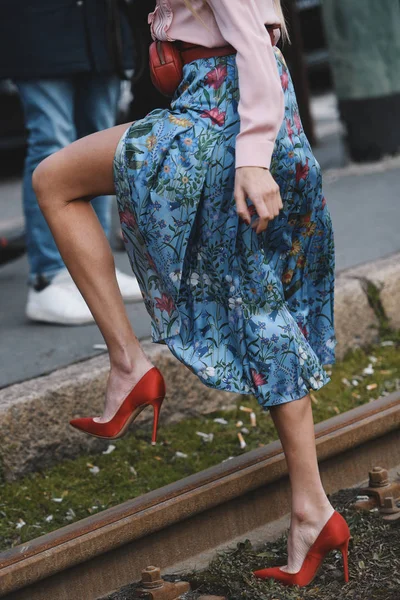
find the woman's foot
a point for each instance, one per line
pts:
(304, 530)
(121, 381)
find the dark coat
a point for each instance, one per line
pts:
(53, 38)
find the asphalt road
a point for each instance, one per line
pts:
(365, 208)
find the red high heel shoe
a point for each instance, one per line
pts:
(335, 535)
(149, 391)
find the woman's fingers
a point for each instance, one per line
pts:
(264, 214)
(280, 203)
(241, 205)
(259, 186)
(267, 209)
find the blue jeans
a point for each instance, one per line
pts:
(57, 112)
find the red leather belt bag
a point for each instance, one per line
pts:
(167, 60)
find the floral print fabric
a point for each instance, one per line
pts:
(247, 313)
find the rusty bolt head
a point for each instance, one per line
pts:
(378, 477)
(389, 502)
(390, 506)
(151, 578)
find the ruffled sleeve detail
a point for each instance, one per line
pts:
(160, 21)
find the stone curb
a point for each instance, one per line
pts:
(35, 414)
(385, 275)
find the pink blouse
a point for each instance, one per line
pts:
(241, 24)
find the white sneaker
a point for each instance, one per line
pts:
(60, 302)
(129, 287)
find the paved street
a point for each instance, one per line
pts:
(364, 203)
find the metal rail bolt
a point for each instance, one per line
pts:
(382, 494)
(380, 487)
(390, 509)
(153, 587)
(378, 477)
(151, 578)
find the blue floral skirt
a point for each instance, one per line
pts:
(247, 313)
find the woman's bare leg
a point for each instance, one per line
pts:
(64, 184)
(310, 506)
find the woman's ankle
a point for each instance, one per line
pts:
(311, 511)
(128, 359)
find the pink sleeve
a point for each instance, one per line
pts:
(261, 106)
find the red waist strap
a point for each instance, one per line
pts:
(191, 52)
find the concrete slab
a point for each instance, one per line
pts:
(385, 274)
(355, 321)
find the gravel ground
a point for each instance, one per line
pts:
(374, 558)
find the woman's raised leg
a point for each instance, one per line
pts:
(311, 508)
(64, 184)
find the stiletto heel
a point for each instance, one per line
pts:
(149, 391)
(345, 554)
(157, 407)
(334, 535)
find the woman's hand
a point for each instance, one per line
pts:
(257, 184)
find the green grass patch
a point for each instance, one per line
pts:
(69, 491)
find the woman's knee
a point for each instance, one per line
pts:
(83, 170)
(45, 181)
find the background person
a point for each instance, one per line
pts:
(59, 54)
